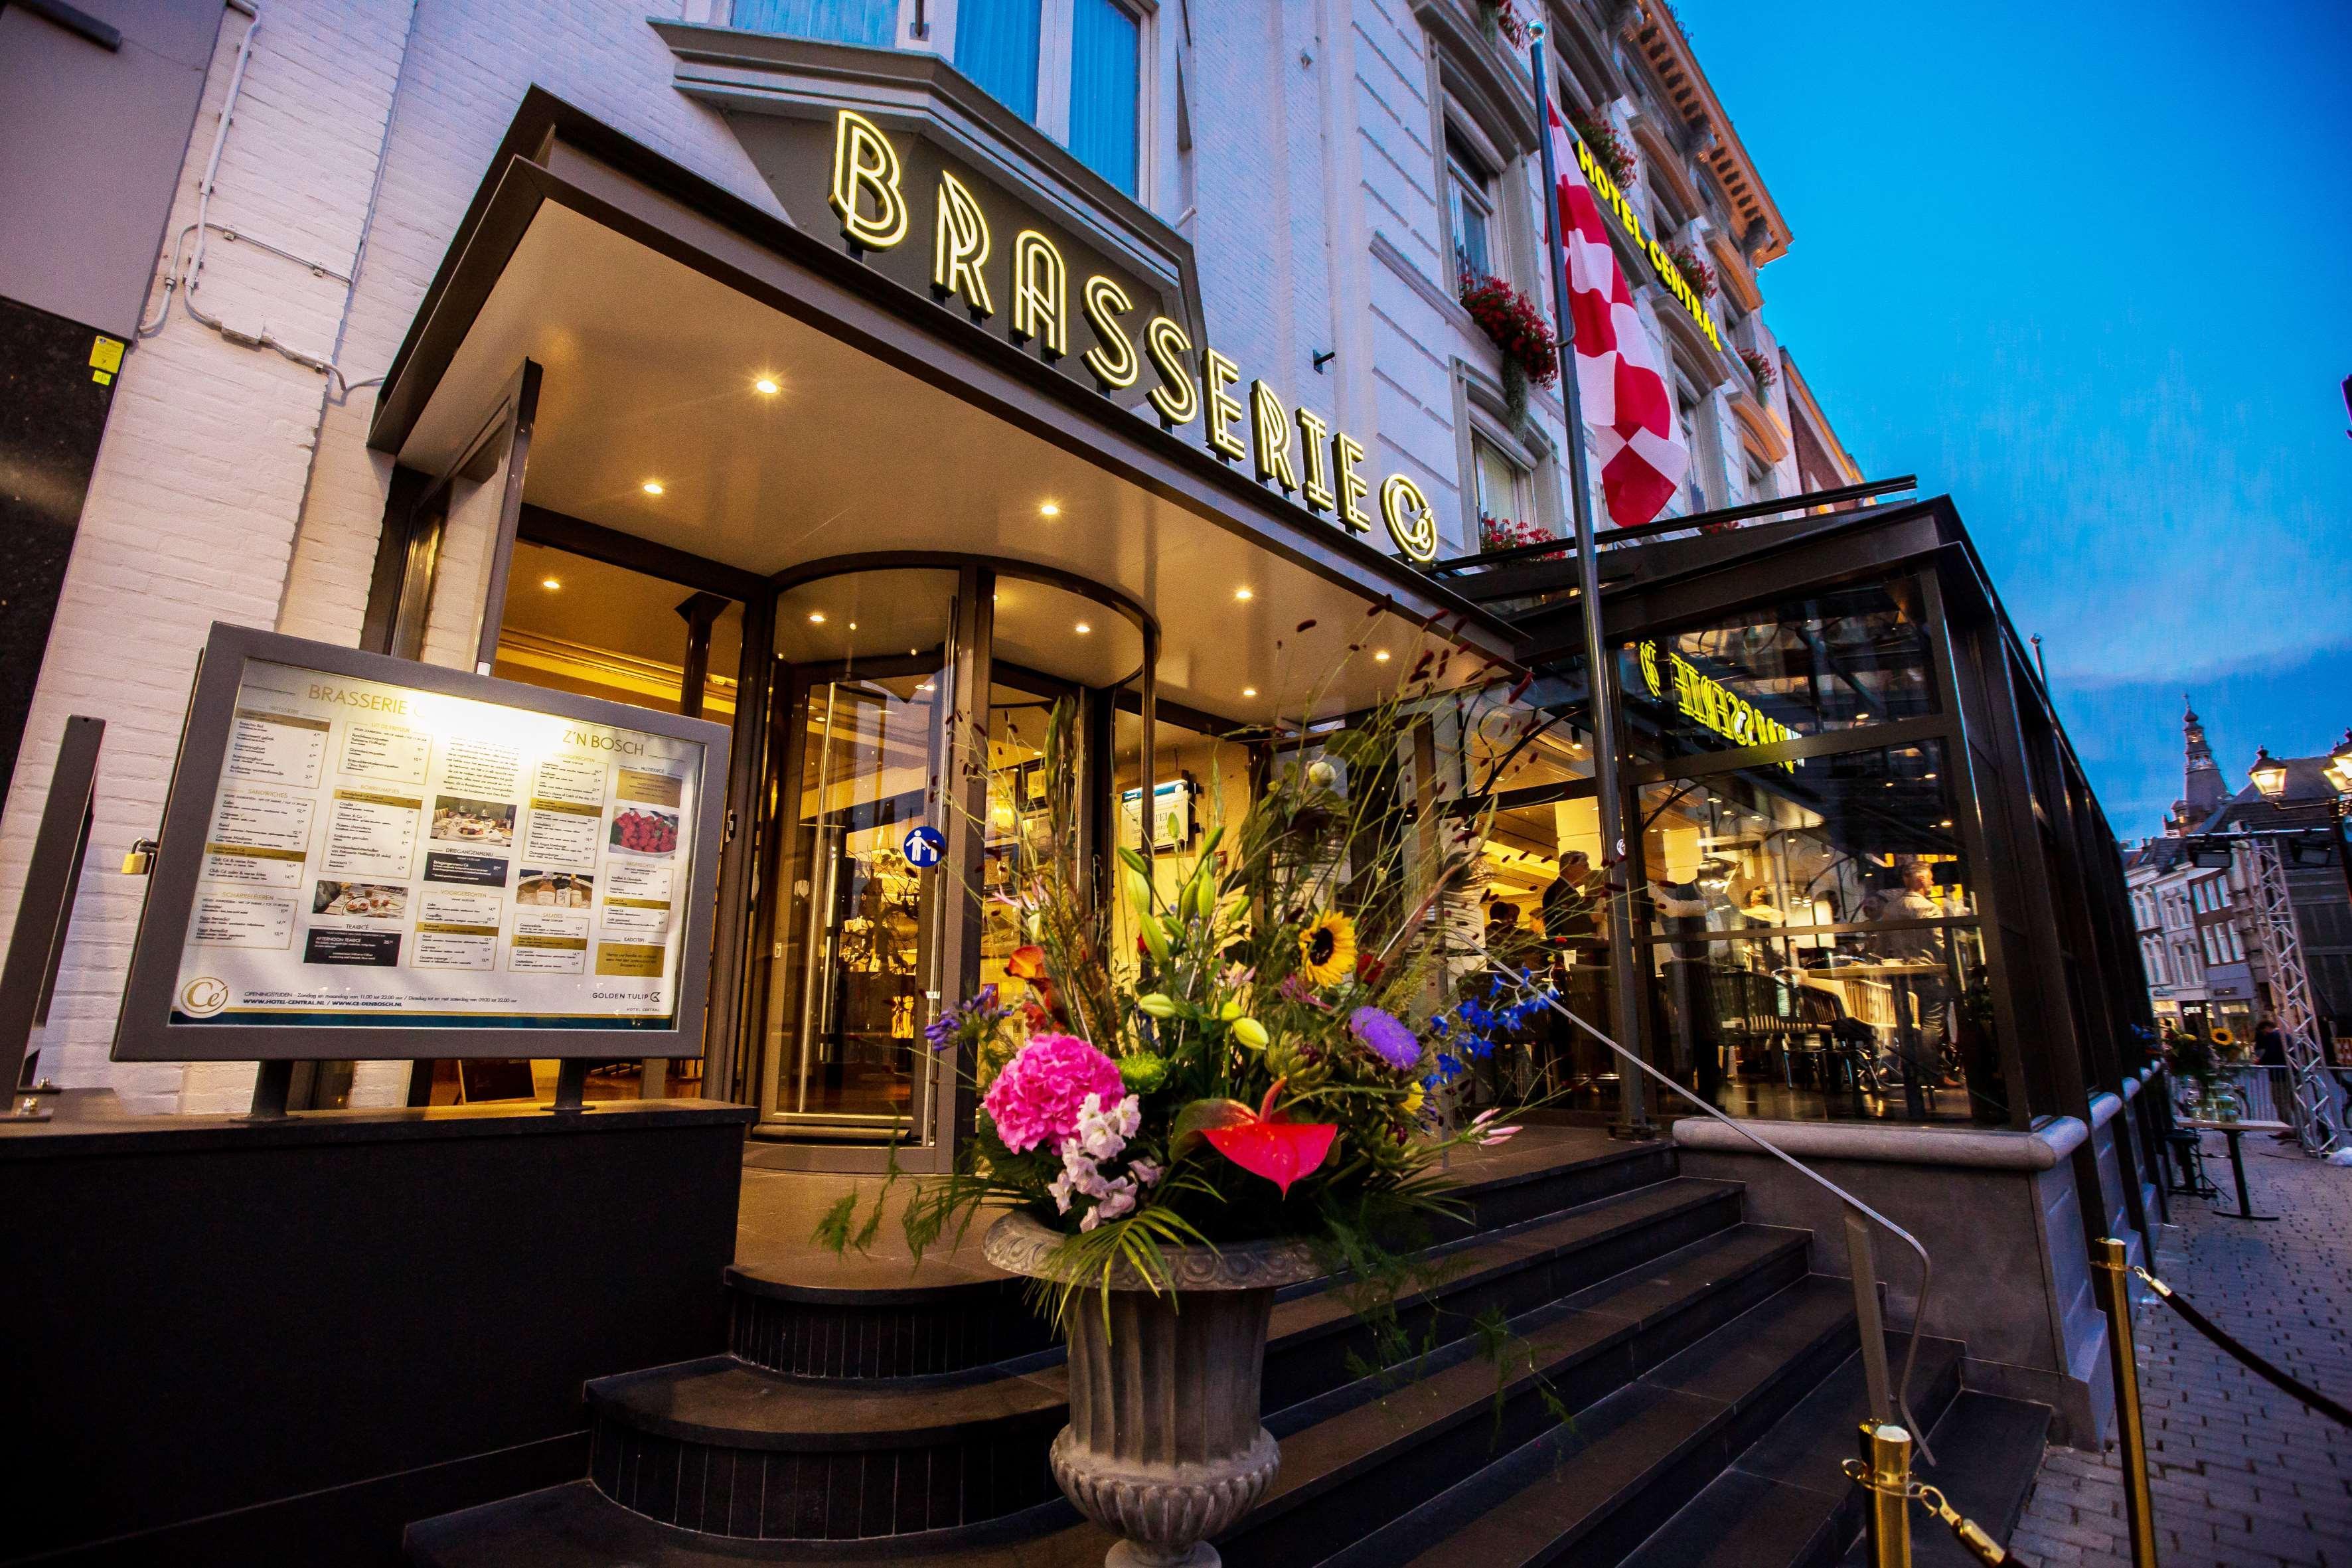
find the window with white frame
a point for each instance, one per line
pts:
(1470, 212)
(1693, 496)
(1106, 90)
(1503, 488)
(1759, 479)
(872, 23)
(1073, 69)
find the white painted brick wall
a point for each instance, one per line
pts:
(232, 485)
(199, 481)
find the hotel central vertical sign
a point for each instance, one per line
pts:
(905, 209)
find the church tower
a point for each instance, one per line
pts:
(2202, 793)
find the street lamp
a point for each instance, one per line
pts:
(2340, 764)
(2268, 772)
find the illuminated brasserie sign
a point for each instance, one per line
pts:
(1030, 285)
(1708, 702)
(1605, 190)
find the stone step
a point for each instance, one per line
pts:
(1341, 1472)
(1361, 1468)
(1746, 1519)
(724, 1447)
(1784, 1502)
(1590, 1489)
(1988, 1453)
(802, 1324)
(730, 1449)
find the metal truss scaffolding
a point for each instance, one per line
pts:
(2298, 1021)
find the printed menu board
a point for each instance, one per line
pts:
(380, 855)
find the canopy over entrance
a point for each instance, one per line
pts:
(794, 406)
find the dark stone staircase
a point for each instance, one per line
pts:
(1711, 1384)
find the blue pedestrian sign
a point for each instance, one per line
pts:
(924, 846)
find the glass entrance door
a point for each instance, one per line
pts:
(895, 822)
(858, 937)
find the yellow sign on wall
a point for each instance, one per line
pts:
(1605, 191)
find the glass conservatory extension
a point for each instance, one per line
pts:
(1865, 878)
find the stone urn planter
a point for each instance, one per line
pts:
(1164, 1446)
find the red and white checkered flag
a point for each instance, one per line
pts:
(1622, 384)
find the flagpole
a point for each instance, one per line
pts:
(1633, 1113)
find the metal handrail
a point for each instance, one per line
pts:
(1865, 1282)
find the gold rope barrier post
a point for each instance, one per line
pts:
(2111, 1272)
(1887, 1475)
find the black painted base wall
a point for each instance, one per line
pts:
(52, 411)
(234, 1342)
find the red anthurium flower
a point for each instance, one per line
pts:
(1263, 1141)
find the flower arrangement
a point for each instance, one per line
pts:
(1693, 268)
(2191, 1057)
(1530, 352)
(1761, 367)
(1608, 147)
(1501, 19)
(1502, 533)
(1248, 1065)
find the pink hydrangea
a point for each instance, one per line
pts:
(1037, 1097)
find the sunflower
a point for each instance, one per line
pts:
(1327, 949)
(2222, 1037)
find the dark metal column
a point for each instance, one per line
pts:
(730, 1068)
(1148, 707)
(963, 804)
(698, 610)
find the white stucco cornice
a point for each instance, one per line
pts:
(1653, 32)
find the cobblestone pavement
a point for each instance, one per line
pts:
(2242, 1475)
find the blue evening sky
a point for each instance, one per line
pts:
(2088, 268)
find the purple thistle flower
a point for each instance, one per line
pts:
(1386, 1037)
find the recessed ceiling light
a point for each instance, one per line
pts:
(1049, 510)
(1244, 594)
(652, 487)
(1380, 656)
(1945, 823)
(1249, 690)
(1083, 629)
(766, 386)
(816, 617)
(1862, 718)
(927, 685)
(550, 583)
(1927, 775)
(853, 625)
